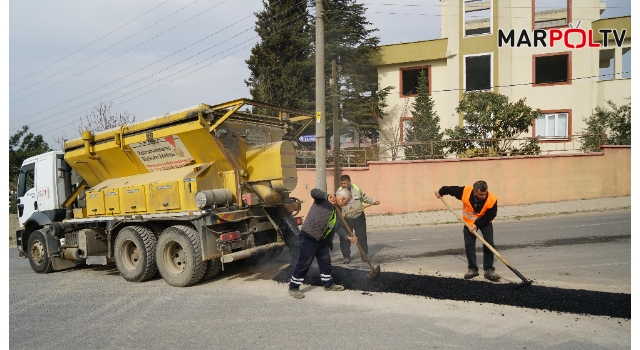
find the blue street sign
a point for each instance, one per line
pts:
(307, 138)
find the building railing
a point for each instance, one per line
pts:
(453, 149)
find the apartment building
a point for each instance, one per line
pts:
(566, 83)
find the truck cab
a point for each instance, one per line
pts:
(41, 192)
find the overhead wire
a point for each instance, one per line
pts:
(153, 74)
(89, 44)
(180, 77)
(466, 16)
(120, 54)
(525, 84)
(133, 83)
(433, 91)
(573, 5)
(140, 88)
(94, 55)
(128, 93)
(444, 90)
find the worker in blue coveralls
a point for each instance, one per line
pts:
(318, 229)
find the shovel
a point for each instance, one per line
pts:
(525, 282)
(357, 210)
(375, 271)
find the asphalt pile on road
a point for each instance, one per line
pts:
(576, 301)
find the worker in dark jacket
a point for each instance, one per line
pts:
(479, 208)
(317, 232)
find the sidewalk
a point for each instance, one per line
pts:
(504, 213)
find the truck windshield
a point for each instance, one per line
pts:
(25, 180)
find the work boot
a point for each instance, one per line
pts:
(471, 274)
(334, 288)
(296, 293)
(491, 275)
(346, 261)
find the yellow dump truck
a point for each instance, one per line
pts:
(180, 194)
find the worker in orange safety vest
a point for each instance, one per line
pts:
(479, 208)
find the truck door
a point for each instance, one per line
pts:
(46, 187)
(27, 203)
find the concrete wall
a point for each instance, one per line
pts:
(408, 186)
(610, 90)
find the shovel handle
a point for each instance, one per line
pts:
(339, 211)
(357, 210)
(483, 241)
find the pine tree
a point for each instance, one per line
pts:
(280, 64)
(424, 125)
(22, 145)
(356, 51)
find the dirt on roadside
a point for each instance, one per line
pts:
(13, 227)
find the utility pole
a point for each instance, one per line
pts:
(321, 122)
(336, 126)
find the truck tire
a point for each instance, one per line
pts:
(38, 253)
(155, 227)
(214, 266)
(135, 253)
(179, 256)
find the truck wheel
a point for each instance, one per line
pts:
(135, 253)
(214, 266)
(38, 254)
(180, 256)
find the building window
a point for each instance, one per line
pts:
(477, 17)
(607, 64)
(478, 72)
(553, 125)
(552, 69)
(405, 126)
(409, 80)
(551, 13)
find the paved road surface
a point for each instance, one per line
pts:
(93, 307)
(583, 251)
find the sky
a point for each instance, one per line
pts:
(150, 57)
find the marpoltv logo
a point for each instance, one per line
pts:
(572, 38)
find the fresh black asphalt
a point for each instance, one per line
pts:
(576, 301)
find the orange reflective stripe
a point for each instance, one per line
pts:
(469, 216)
